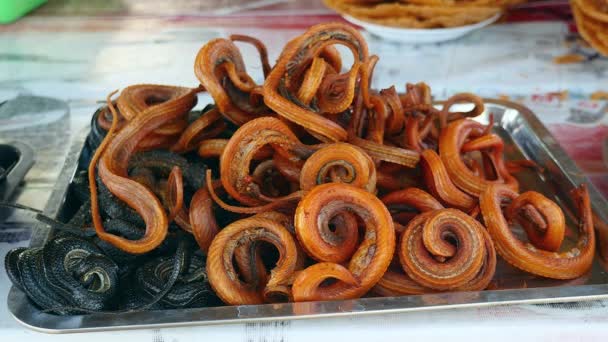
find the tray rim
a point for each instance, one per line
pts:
(19, 307)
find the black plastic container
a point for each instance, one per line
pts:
(15, 161)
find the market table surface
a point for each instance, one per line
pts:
(58, 64)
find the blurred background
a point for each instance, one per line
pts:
(524, 10)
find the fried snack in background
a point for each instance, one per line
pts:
(592, 21)
(428, 17)
(364, 1)
(414, 16)
(463, 3)
(428, 2)
(602, 5)
(421, 13)
(595, 9)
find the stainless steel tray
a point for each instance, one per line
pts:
(525, 136)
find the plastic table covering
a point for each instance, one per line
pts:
(73, 62)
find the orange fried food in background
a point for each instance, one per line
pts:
(592, 21)
(421, 13)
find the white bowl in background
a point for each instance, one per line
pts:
(416, 36)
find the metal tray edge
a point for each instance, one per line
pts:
(17, 302)
(342, 308)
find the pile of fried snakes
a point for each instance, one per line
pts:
(310, 186)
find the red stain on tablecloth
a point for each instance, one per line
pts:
(585, 146)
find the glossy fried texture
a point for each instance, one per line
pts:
(369, 261)
(447, 116)
(540, 217)
(312, 80)
(395, 121)
(259, 46)
(248, 258)
(337, 91)
(224, 278)
(392, 177)
(175, 192)
(591, 18)
(447, 249)
(212, 148)
(248, 140)
(326, 189)
(451, 144)
(282, 84)
(557, 265)
(339, 162)
(135, 99)
(113, 163)
(415, 95)
(440, 184)
(308, 283)
(395, 282)
(274, 205)
(202, 219)
(207, 126)
(414, 198)
(391, 154)
(220, 68)
(376, 120)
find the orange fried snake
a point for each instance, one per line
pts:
(369, 261)
(532, 257)
(325, 187)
